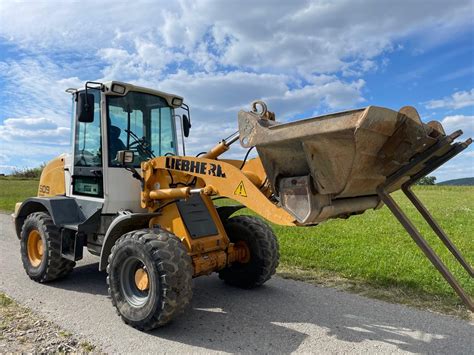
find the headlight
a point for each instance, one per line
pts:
(118, 89)
(177, 101)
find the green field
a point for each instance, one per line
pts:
(370, 253)
(14, 190)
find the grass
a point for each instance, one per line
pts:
(13, 190)
(371, 253)
(5, 300)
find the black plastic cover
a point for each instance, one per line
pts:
(196, 217)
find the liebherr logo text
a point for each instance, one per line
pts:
(191, 166)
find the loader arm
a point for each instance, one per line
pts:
(220, 177)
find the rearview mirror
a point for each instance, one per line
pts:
(85, 108)
(186, 125)
(125, 157)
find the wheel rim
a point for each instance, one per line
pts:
(35, 248)
(245, 251)
(141, 279)
(135, 281)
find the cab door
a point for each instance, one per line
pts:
(87, 172)
(122, 190)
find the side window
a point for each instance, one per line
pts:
(88, 148)
(88, 153)
(162, 131)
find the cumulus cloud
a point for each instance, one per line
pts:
(456, 101)
(295, 36)
(463, 122)
(34, 131)
(461, 166)
(34, 87)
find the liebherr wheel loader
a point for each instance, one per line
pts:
(149, 214)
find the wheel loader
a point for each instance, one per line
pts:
(130, 195)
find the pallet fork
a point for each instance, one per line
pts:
(420, 166)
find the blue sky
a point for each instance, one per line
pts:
(302, 57)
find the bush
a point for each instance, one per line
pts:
(427, 180)
(28, 173)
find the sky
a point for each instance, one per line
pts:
(303, 58)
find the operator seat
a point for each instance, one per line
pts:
(115, 143)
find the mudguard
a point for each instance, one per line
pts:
(63, 210)
(124, 223)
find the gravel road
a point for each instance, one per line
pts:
(283, 316)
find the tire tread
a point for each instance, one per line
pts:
(175, 270)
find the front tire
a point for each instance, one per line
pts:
(149, 277)
(40, 248)
(263, 249)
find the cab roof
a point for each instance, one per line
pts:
(120, 89)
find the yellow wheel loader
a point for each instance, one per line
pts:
(148, 212)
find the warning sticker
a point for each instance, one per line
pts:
(240, 190)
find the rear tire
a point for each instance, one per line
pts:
(149, 277)
(263, 248)
(40, 248)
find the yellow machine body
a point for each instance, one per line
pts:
(222, 178)
(52, 181)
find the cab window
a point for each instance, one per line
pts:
(88, 147)
(139, 122)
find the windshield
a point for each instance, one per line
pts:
(142, 123)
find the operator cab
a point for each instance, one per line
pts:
(117, 117)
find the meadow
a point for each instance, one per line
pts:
(13, 190)
(370, 254)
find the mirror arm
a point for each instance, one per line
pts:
(101, 86)
(186, 108)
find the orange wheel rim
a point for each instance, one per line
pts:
(244, 251)
(141, 279)
(35, 248)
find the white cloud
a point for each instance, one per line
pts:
(456, 122)
(460, 166)
(302, 37)
(34, 87)
(456, 101)
(34, 131)
(216, 99)
(463, 164)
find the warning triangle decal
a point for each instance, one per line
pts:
(240, 190)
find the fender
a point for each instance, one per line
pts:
(63, 210)
(124, 223)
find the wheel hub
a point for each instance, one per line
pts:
(35, 248)
(141, 279)
(242, 252)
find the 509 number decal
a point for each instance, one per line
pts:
(44, 189)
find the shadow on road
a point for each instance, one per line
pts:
(279, 316)
(84, 278)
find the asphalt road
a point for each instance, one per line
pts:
(283, 316)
